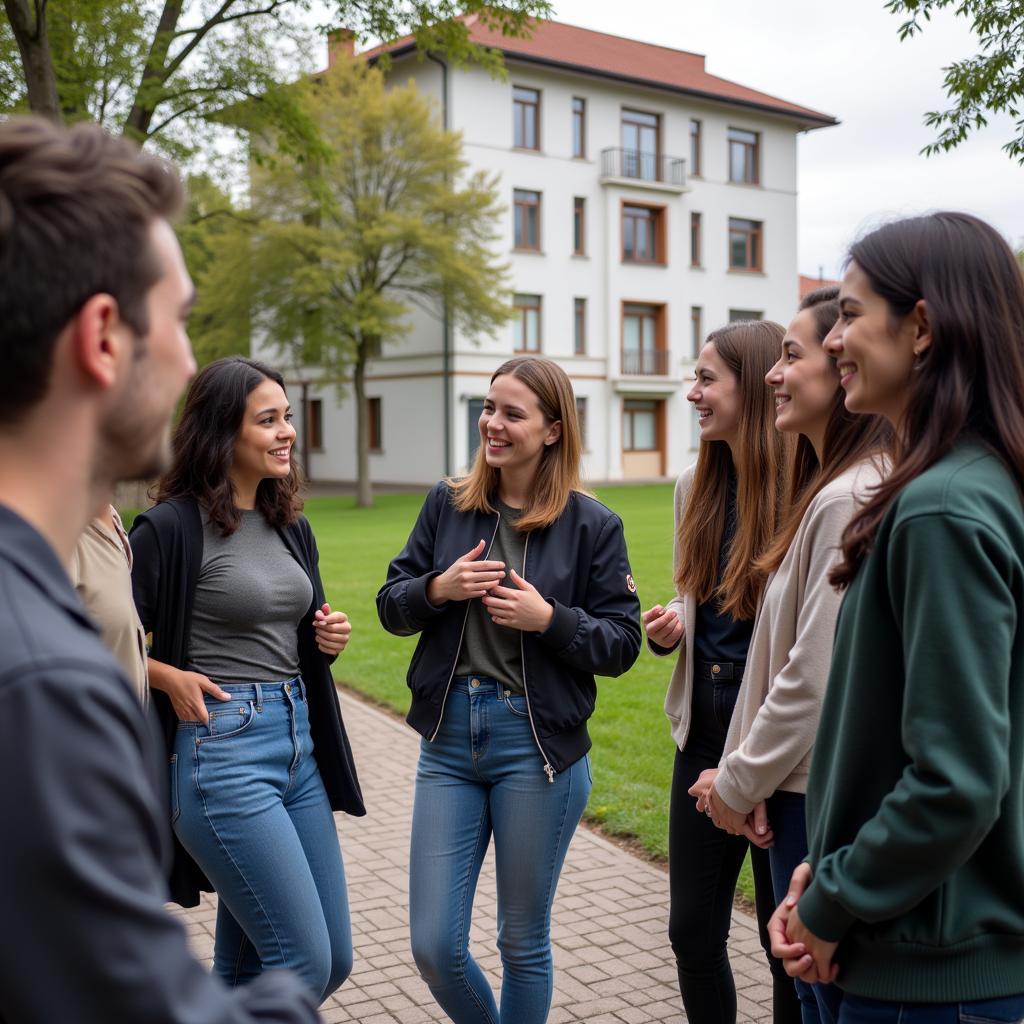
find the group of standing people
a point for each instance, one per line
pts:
(847, 700)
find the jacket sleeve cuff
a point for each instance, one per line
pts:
(418, 603)
(562, 628)
(824, 917)
(725, 786)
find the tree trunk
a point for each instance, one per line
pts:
(364, 486)
(154, 74)
(28, 22)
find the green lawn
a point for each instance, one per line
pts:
(633, 751)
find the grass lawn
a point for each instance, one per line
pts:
(633, 751)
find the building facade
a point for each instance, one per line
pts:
(648, 203)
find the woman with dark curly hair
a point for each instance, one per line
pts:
(226, 578)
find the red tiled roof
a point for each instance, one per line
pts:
(809, 284)
(598, 53)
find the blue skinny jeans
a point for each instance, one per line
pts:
(249, 805)
(483, 775)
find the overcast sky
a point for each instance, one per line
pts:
(843, 58)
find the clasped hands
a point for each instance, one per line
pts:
(521, 607)
(753, 825)
(803, 954)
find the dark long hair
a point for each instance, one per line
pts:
(763, 462)
(968, 383)
(204, 447)
(849, 438)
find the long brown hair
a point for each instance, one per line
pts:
(558, 474)
(849, 438)
(968, 383)
(749, 348)
(204, 447)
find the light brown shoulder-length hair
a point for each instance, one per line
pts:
(749, 348)
(849, 438)
(558, 474)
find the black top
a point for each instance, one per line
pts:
(718, 637)
(83, 856)
(167, 544)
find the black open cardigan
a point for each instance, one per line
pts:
(167, 546)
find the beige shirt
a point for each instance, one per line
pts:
(772, 731)
(101, 572)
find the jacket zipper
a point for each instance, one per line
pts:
(548, 770)
(462, 633)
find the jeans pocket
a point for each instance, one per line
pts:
(231, 720)
(1004, 1010)
(516, 703)
(175, 803)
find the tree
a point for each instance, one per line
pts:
(341, 248)
(992, 81)
(163, 70)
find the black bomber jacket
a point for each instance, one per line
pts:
(579, 564)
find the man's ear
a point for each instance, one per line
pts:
(99, 336)
(922, 327)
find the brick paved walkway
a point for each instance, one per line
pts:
(612, 961)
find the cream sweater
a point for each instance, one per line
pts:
(773, 727)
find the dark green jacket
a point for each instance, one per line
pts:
(915, 803)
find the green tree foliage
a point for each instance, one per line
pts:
(342, 247)
(992, 81)
(163, 70)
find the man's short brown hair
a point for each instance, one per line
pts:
(76, 205)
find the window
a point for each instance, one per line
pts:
(581, 416)
(579, 226)
(579, 327)
(373, 410)
(579, 128)
(639, 425)
(695, 148)
(640, 145)
(643, 234)
(744, 244)
(745, 314)
(696, 257)
(315, 424)
(744, 156)
(696, 330)
(526, 324)
(525, 118)
(694, 428)
(474, 408)
(527, 219)
(643, 347)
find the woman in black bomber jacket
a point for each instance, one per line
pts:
(225, 577)
(519, 586)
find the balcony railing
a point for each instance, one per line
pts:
(645, 362)
(635, 163)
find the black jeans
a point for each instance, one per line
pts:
(704, 864)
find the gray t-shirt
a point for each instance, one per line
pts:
(249, 600)
(487, 648)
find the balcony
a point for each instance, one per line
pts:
(637, 168)
(644, 362)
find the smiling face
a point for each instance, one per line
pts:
(513, 430)
(264, 442)
(804, 381)
(716, 396)
(875, 353)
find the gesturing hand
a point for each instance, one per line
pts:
(332, 630)
(522, 608)
(466, 578)
(186, 689)
(663, 626)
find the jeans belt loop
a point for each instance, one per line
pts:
(259, 697)
(300, 683)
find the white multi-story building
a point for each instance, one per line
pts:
(648, 202)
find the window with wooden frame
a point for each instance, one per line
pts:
(696, 241)
(643, 339)
(315, 424)
(579, 327)
(696, 330)
(643, 234)
(696, 142)
(526, 325)
(374, 438)
(579, 226)
(639, 425)
(641, 145)
(744, 156)
(745, 244)
(579, 128)
(525, 118)
(526, 207)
